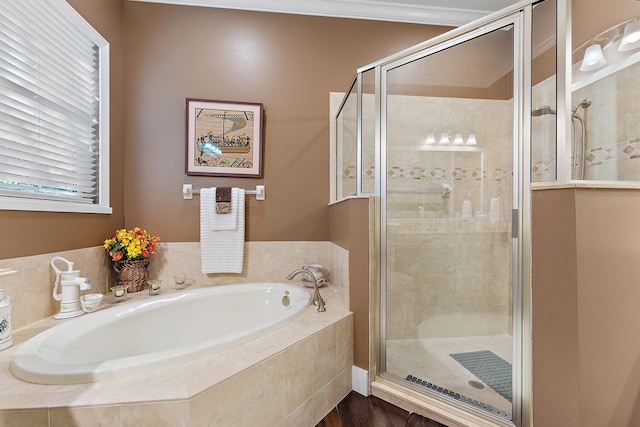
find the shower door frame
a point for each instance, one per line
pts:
(520, 16)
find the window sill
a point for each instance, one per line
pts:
(16, 204)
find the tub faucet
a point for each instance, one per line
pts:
(317, 298)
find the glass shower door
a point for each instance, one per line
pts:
(446, 209)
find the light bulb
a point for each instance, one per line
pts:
(631, 37)
(593, 58)
(458, 139)
(444, 139)
(430, 139)
(472, 139)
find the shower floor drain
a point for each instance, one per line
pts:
(458, 396)
(476, 384)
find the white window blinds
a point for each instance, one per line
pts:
(51, 141)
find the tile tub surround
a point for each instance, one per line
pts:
(31, 289)
(290, 377)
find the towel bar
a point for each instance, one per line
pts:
(188, 192)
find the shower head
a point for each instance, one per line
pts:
(542, 111)
(584, 104)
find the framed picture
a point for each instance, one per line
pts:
(224, 138)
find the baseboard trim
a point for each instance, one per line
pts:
(360, 381)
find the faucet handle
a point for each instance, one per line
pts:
(307, 277)
(320, 273)
(315, 266)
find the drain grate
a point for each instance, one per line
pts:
(489, 368)
(476, 384)
(459, 397)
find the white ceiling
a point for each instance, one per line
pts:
(435, 12)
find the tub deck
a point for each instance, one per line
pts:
(310, 359)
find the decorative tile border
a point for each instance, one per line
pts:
(544, 170)
(626, 150)
(436, 173)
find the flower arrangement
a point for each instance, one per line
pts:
(130, 245)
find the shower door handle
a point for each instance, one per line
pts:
(514, 223)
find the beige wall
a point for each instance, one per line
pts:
(607, 235)
(585, 307)
(161, 55)
(591, 17)
(289, 63)
(30, 233)
(555, 311)
(349, 228)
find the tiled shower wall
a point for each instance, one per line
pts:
(31, 289)
(410, 120)
(448, 283)
(613, 126)
(448, 274)
(543, 132)
(346, 145)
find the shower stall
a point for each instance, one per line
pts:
(446, 138)
(439, 135)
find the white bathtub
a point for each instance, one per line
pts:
(154, 331)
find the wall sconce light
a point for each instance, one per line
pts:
(597, 52)
(631, 37)
(458, 139)
(593, 58)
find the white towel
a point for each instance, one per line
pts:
(225, 221)
(221, 251)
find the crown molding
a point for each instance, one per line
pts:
(355, 9)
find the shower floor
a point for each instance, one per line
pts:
(429, 359)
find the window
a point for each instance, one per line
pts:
(54, 106)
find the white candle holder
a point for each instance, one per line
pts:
(119, 293)
(154, 286)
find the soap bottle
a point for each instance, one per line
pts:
(5, 321)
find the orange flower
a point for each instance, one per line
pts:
(130, 245)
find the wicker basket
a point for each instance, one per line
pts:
(132, 274)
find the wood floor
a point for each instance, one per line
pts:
(356, 410)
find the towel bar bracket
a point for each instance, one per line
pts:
(188, 192)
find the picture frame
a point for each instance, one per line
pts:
(224, 138)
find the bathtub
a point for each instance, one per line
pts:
(154, 331)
